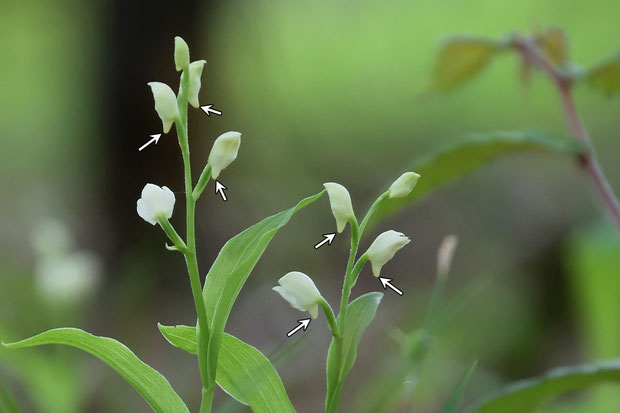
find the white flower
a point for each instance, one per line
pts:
(300, 292)
(165, 104)
(181, 54)
(67, 279)
(224, 151)
(383, 249)
(403, 185)
(340, 202)
(195, 72)
(155, 202)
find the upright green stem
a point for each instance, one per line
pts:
(207, 376)
(333, 396)
(350, 278)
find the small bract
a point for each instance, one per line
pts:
(300, 292)
(156, 203)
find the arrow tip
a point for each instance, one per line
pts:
(385, 282)
(207, 109)
(219, 186)
(330, 237)
(156, 137)
(305, 322)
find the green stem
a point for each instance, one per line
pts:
(207, 376)
(330, 317)
(207, 399)
(172, 234)
(372, 211)
(202, 182)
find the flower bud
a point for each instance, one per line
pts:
(165, 104)
(383, 249)
(156, 203)
(181, 54)
(403, 185)
(340, 202)
(300, 292)
(445, 255)
(224, 151)
(195, 72)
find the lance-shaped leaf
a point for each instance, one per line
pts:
(153, 387)
(459, 391)
(233, 266)
(460, 58)
(469, 154)
(360, 313)
(242, 371)
(524, 396)
(606, 76)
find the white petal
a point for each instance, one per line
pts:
(224, 152)
(144, 212)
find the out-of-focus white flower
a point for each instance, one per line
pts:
(383, 249)
(340, 202)
(403, 185)
(51, 238)
(445, 255)
(67, 279)
(155, 202)
(195, 72)
(181, 53)
(165, 104)
(300, 292)
(224, 152)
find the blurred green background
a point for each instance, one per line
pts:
(322, 91)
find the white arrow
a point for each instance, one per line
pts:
(387, 282)
(328, 239)
(220, 188)
(303, 323)
(208, 109)
(155, 139)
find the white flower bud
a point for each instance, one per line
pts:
(195, 72)
(181, 53)
(403, 185)
(165, 104)
(224, 151)
(383, 249)
(445, 255)
(340, 202)
(155, 202)
(300, 292)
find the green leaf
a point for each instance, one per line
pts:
(457, 395)
(360, 313)
(524, 396)
(242, 370)
(153, 387)
(606, 75)
(461, 58)
(554, 44)
(232, 268)
(469, 154)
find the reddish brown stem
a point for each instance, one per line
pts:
(588, 161)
